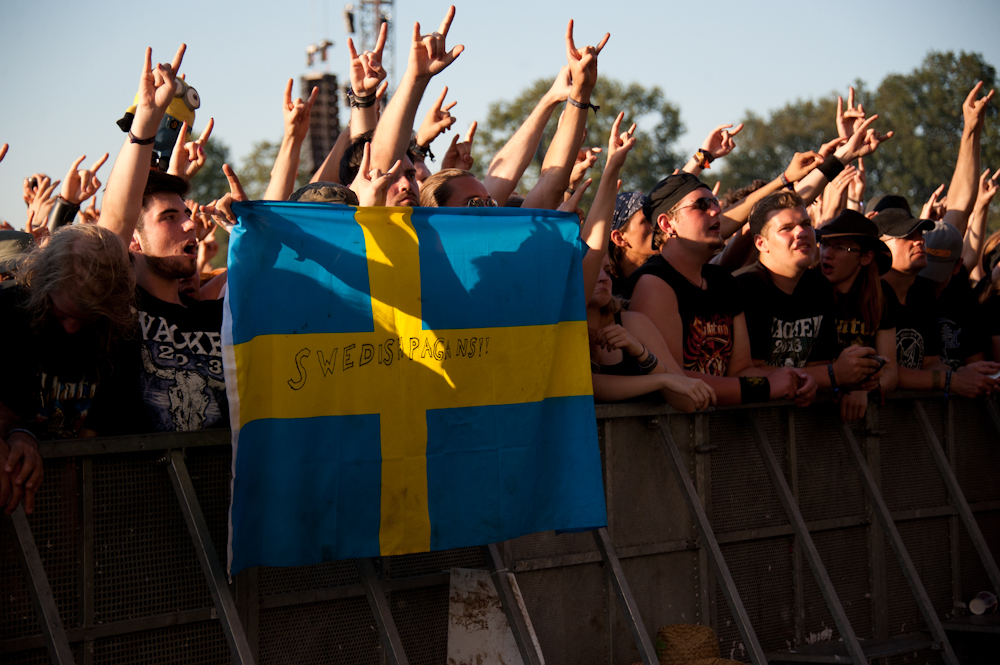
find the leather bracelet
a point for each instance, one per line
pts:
(138, 141)
(62, 213)
(704, 158)
(423, 151)
(833, 383)
(754, 389)
(788, 184)
(649, 364)
(581, 105)
(947, 383)
(25, 431)
(361, 102)
(831, 167)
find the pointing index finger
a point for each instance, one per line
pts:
(440, 99)
(737, 130)
(351, 49)
(570, 44)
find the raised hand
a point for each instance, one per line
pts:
(79, 186)
(559, 90)
(90, 214)
(157, 86)
(802, 163)
(189, 156)
(856, 188)
(459, 154)
(371, 184)
(974, 109)
(933, 204)
(583, 62)
(437, 121)
(428, 53)
(987, 188)
(620, 144)
(221, 211)
(848, 121)
(3, 151)
(31, 187)
(830, 147)
(572, 204)
(834, 195)
(585, 159)
(720, 142)
(366, 69)
(38, 211)
(297, 113)
(862, 143)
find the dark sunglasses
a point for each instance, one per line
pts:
(704, 204)
(480, 202)
(839, 248)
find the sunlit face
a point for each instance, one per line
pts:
(167, 240)
(405, 192)
(463, 189)
(908, 254)
(841, 259)
(70, 315)
(700, 227)
(602, 290)
(788, 241)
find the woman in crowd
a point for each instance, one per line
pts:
(633, 239)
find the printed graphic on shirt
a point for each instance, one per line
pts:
(909, 348)
(709, 344)
(791, 341)
(63, 406)
(182, 382)
(950, 343)
(852, 332)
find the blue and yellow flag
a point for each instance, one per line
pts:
(405, 380)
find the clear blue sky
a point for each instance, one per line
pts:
(69, 69)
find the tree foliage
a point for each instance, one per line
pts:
(210, 182)
(922, 108)
(654, 156)
(255, 169)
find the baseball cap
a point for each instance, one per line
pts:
(886, 201)
(898, 223)
(852, 224)
(324, 192)
(943, 245)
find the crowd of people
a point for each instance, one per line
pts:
(783, 290)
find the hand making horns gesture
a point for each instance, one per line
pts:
(428, 53)
(366, 69)
(157, 86)
(583, 62)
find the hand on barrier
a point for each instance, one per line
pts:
(22, 472)
(974, 380)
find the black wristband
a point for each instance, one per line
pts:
(62, 213)
(423, 151)
(649, 364)
(754, 389)
(831, 167)
(361, 102)
(581, 105)
(132, 138)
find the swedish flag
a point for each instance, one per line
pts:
(405, 380)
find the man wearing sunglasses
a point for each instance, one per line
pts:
(790, 310)
(697, 306)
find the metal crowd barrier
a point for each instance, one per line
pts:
(793, 537)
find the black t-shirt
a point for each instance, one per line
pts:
(179, 365)
(706, 314)
(852, 330)
(53, 380)
(789, 330)
(963, 333)
(917, 332)
(990, 311)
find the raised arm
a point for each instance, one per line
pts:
(286, 166)
(189, 156)
(597, 229)
(975, 236)
(123, 194)
(428, 56)
(561, 155)
(510, 162)
(717, 144)
(962, 191)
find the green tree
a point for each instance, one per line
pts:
(255, 169)
(653, 157)
(210, 182)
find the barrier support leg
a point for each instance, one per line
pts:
(709, 541)
(41, 593)
(881, 511)
(381, 612)
(958, 497)
(511, 608)
(209, 559)
(629, 609)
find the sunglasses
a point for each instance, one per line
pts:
(839, 248)
(481, 202)
(704, 204)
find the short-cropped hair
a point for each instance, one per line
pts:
(436, 190)
(92, 266)
(780, 200)
(160, 183)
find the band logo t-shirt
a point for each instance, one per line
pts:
(917, 333)
(706, 314)
(789, 330)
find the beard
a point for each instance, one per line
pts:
(171, 267)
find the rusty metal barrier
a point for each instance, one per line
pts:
(129, 586)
